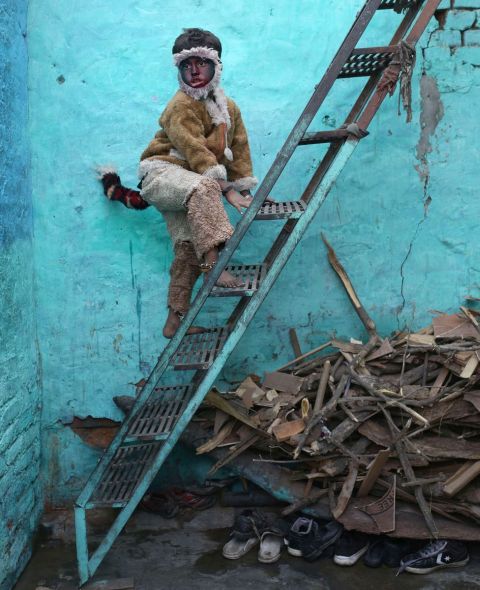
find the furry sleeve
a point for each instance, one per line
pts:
(186, 132)
(239, 170)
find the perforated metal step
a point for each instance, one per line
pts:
(158, 417)
(281, 210)
(398, 4)
(367, 61)
(126, 469)
(251, 275)
(198, 351)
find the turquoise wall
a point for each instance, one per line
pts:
(402, 218)
(20, 490)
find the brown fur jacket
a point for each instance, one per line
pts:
(189, 138)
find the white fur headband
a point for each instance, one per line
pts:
(205, 52)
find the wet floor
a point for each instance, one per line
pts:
(185, 554)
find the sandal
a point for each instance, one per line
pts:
(160, 504)
(271, 543)
(189, 499)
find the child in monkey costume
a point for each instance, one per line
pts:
(199, 156)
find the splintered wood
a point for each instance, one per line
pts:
(378, 431)
(352, 417)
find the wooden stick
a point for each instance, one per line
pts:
(322, 387)
(306, 355)
(342, 273)
(242, 447)
(297, 351)
(410, 475)
(467, 472)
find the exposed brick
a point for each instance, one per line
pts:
(472, 37)
(21, 445)
(445, 39)
(460, 20)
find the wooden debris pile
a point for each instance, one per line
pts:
(394, 418)
(370, 427)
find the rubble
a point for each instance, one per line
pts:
(381, 432)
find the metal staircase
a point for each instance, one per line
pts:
(161, 413)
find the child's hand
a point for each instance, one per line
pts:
(237, 200)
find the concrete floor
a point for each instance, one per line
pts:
(185, 554)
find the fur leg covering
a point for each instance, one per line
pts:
(183, 274)
(207, 218)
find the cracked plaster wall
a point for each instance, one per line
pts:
(402, 217)
(20, 489)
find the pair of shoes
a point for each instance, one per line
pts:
(350, 547)
(250, 528)
(387, 551)
(307, 539)
(246, 533)
(437, 555)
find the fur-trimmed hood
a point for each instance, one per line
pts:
(212, 94)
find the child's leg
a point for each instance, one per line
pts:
(210, 226)
(184, 272)
(193, 208)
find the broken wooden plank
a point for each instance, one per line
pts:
(249, 392)
(470, 367)
(384, 349)
(468, 314)
(217, 439)
(283, 382)
(346, 491)
(297, 351)
(234, 453)
(286, 430)
(448, 448)
(377, 432)
(467, 473)
(373, 472)
(453, 327)
(342, 274)
(439, 381)
(421, 339)
(349, 347)
(218, 401)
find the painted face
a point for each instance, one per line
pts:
(197, 71)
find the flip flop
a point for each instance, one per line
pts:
(271, 544)
(236, 548)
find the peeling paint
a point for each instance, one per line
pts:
(431, 114)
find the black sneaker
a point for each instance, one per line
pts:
(436, 555)
(301, 529)
(395, 549)
(374, 555)
(320, 539)
(350, 547)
